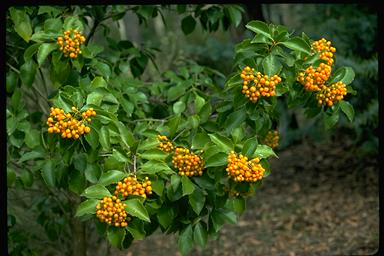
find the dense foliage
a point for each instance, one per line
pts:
(100, 145)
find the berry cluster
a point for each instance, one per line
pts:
(111, 211)
(130, 186)
(70, 44)
(313, 79)
(187, 163)
(271, 139)
(69, 125)
(165, 145)
(240, 169)
(330, 94)
(256, 85)
(325, 49)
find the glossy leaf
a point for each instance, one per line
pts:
(259, 27)
(87, 207)
(136, 208)
(111, 177)
(96, 191)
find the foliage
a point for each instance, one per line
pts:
(191, 106)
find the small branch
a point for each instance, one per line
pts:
(13, 68)
(134, 164)
(178, 135)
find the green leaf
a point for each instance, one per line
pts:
(87, 207)
(72, 22)
(103, 69)
(343, 74)
(116, 236)
(126, 135)
(76, 181)
(330, 119)
(271, 65)
(42, 37)
(158, 187)
(224, 144)
(188, 24)
(176, 91)
(200, 235)
(237, 204)
(111, 177)
(200, 140)
(155, 166)
(186, 240)
(28, 72)
(165, 216)
(136, 208)
(93, 139)
(298, 44)
(234, 14)
(27, 178)
(219, 217)
(178, 107)
(234, 120)
(187, 185)
(348, 110)
(197, 200)
(22, 23)
(173, 124)
(263, 151)
(149, 143)
(175, 181)
(12, 79)
(259, 27)
(44, 50)
(104, 138)
(32, 138)
(249, 147)
(92, 172)
(199, 103)
(233, 81)
(154, 154)
(136, 228)
(98, 82)
(30, 51)
(219, 159)
(31, 155)
(96, 191)
(53, 25)
(48, 173)
(11, 176)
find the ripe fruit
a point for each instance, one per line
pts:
(111, 211)
(240, 169)
(165, 145)
(271, 139)
(187, 163)
(328, 95)
(70, 125)
(313, 79)
(130, 186)
(256, 85)
(70, 44)
(325, 49)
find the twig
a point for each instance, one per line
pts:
(134, 164)
(178, 135)
(13, 68)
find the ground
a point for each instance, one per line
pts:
(318, 200)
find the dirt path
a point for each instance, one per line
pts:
(319, 200)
